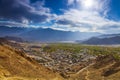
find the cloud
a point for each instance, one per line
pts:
(82, 15)
(23, 11)
(64, 22)
(12, 24)
(90, 19)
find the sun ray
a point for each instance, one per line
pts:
(88, 4)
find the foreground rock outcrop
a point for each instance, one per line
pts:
(15, 65)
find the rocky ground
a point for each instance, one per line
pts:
(66, 62)
(69, 61)
(15, 65)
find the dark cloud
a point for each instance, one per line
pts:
(20, 10)
(73, 24)
(64, 22)
(108, 27)
(67, 22)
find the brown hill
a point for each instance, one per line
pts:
(104, 68)
(15, 65)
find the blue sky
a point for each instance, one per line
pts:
(114, 9)
(68, 15)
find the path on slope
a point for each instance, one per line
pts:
(87, 75)
(84, 69)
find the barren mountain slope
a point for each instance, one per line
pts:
(14, 65)
(105, 68)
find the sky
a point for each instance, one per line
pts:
(68, 15)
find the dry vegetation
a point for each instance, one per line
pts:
(14, 65)
(58, 62)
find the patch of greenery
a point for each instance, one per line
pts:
(78, 48)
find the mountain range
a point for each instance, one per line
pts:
(52, 35)
(108, 39)
(44, 34)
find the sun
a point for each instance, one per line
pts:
(87, 4)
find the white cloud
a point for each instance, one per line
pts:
(87, 17)
(12, 24)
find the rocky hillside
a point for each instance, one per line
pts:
(104, 68)
(15, 65)
(58, 62)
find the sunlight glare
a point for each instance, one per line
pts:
(87, 4)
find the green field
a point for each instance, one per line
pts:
(78, 48)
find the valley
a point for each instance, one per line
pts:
(71, 61)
